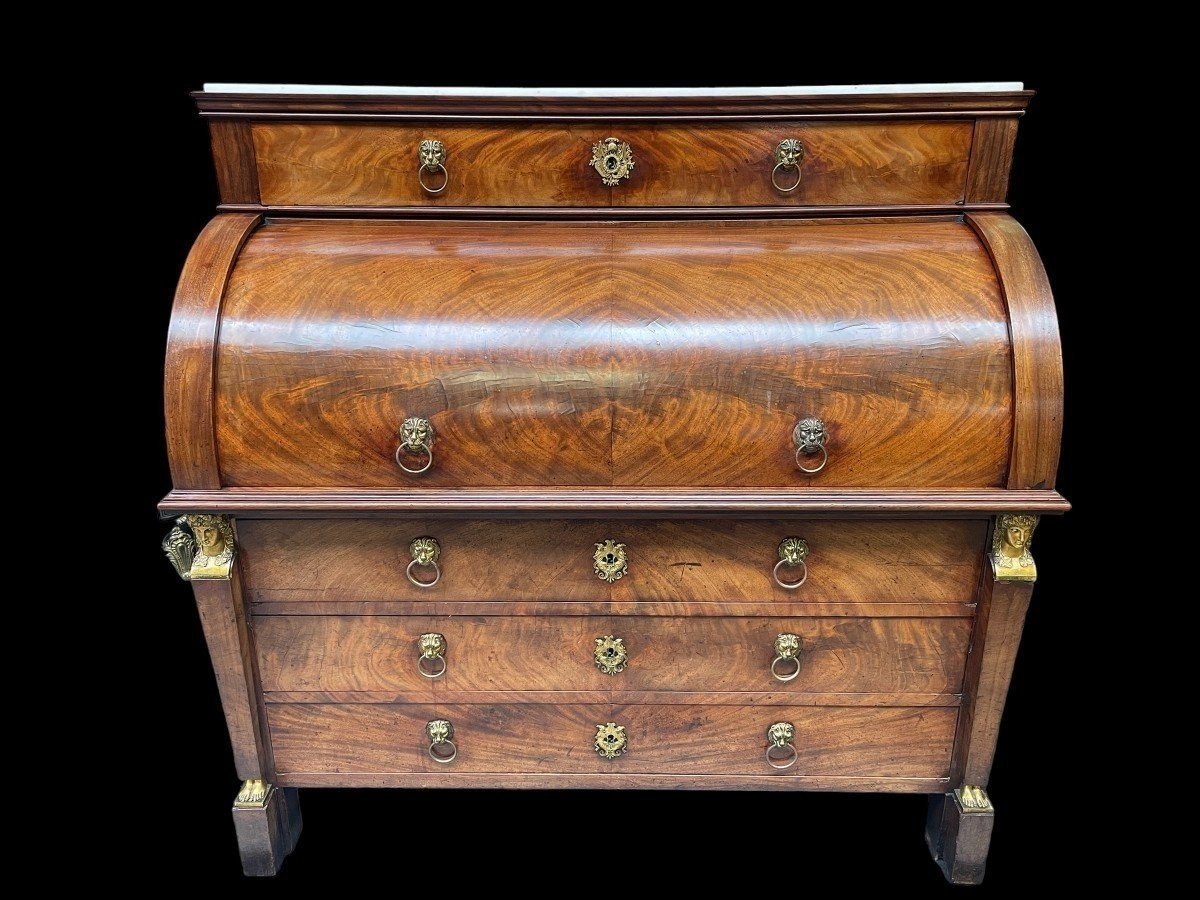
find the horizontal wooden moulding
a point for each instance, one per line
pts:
(668, 698)
(299, 503)
(543, 781)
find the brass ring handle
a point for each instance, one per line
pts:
(780, 737)
(792, 553)
(432, 155)
(788, 155)
(787, 649)
(416, 436)
(610, 741)
(425, 551)
(433, 648)
(810, 435)
(441, 735)
(610, 654)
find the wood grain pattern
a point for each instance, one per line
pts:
(540, 738)
(633, 354)
(845, 164)
(518, 503)
(545, 653)
(998, 626)
(234, 660)
(376, 165)
(314, 163)
(991, 160)
(356, 561)
(233, 157)
(1036, 349)
(191, 345)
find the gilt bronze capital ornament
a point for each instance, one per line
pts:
(200, 547)
(1011, 559)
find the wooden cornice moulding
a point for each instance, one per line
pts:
(684, 503)
(612, 213)
(657, 105)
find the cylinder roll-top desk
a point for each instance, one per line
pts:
(672, 438)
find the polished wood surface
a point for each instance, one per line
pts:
(308, 503)
(351, 739)
(310, 561)
(998, 627)
(660, 354)
(234, 158)
(549, 653)
(624, 363)
(991, 160)
(223, 617)
(376, 165)
(1037, 350)
(523, 107)
(191, 345)
(845, 164)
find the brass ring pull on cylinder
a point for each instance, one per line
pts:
(787, 650)
(780, 737)
(442, 748)
(433, 650)
(425, 551)
(793, 552)
(788, 155)
(432, 155)
(810, 436)
(416, 436)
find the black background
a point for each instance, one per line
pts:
(769, 842)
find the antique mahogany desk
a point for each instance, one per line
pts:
(613, 439)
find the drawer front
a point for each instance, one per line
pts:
(299, 562)
(843, 164)
(365, 739)
(629, 354)
(558, 653)
(348, 164)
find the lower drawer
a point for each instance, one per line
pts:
(558, 653)
(544, 738)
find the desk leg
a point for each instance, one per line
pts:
(267, 821)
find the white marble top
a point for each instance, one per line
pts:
(954, 87)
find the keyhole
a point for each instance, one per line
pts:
(610, 163)
(609, 558)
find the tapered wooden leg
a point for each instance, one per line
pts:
(958, 831)
(267, 821)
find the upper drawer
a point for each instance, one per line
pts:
(854, 163)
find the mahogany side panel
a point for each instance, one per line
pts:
(991, 160)
(536, 738)
(845, 164)
(227, 633)
(354, 561)
(233, 158)
(1036, 350)
(191, 344)
(550, 653)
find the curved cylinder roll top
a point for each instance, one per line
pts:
(638, 353)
